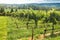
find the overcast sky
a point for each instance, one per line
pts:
(28, 1)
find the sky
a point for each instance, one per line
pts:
(27, 1)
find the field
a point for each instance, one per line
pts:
(29, 24)
(9, 30)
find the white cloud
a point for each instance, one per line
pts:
(19, 1)
(52, 1)
(27, 1)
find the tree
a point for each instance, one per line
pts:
(11, 10)
(2, 11)
(45, 21)
(21, 15)
(36, 18)
(28, 16)
(16, 10)
(52, 19)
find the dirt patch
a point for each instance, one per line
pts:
(30, 38)
(41, 37)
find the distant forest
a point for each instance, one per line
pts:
(35, 6)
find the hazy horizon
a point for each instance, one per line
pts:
(27, 1)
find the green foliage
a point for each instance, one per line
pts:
(3, 28)
(33, 18)
(1, 10)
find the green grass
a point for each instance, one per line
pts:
(3, 28)
(9, 30)
(53, 38)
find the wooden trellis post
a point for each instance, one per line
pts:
(32, 33)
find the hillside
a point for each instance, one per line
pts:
(33, 5)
